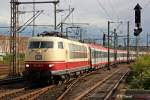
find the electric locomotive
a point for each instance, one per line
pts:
(50, 57)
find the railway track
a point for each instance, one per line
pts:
(23, 93)
(4, 69)
(16, 89)
(33, 94)
(4, 72)
(72, 84)
(104, 89)
(82, 88)
(11, 80)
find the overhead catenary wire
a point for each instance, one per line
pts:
(101, 12)
(33, 31)
(146, 5)
(104, 9)
(113, 9)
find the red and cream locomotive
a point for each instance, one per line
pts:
(52, 57)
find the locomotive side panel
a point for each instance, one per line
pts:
(78, 56)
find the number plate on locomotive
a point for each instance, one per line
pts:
(38, 57)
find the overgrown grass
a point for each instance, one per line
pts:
(140, 76)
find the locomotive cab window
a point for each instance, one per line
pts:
(40, 44)
(46, 44)
(34, 44)
(60, 45)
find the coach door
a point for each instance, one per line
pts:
(90, 51)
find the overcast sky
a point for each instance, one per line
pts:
(94, 12)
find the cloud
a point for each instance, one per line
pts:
(87, 11)
(4, 21)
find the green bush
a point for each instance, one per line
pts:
(21, 57)
(140, 76)
(7, 58)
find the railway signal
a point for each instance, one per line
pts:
(138, 28)
(137, 14)
(137, 31)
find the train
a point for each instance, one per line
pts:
(50, 58)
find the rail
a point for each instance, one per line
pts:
(96, 85)
(103, 89)
(71, 85)
(33, 95)
(116, 85)
(7, 93)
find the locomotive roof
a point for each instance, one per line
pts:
(53, 38)
(45, 38)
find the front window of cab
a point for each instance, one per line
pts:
(40, 44)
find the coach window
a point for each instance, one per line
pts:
(60, 45)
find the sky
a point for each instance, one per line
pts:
(94, 12)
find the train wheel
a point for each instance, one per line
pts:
(56, 79)
(92, 69)
(67, 77)
(61, 82)
(81, 72)
(88, 70)
(115, 65)
(75, 75)
(49, 81)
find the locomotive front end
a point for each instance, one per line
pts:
(41, 58)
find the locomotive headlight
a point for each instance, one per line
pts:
(50, 65)
(27, 65)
